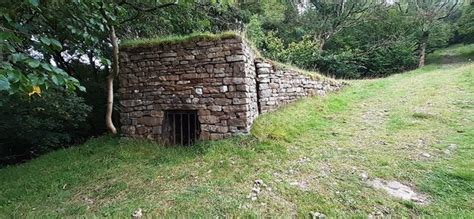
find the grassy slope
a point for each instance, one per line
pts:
(375, 126)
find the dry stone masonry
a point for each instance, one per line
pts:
(202, 89)
(282, 86)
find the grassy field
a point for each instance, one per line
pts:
(310, 155)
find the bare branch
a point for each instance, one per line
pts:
(450, 10)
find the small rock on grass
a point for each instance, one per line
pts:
(294, 183)
(424, 154)
(399, 190)
(137, 214)
(256, 190)
(364, 176)
(394, 185)
(316, 215)
(376, 214)
(88, 201)
(258, 182)
(452, 146)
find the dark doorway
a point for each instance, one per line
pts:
(181, 127)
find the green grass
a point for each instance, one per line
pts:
(453, 54)
(379, 127)
(174, 39)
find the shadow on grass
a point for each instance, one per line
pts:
(451, 59)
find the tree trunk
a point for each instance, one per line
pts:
(110, 82)
(322, 41)
(90, 55)
(422, 50)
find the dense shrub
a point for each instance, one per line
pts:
(34, 125)
(344, 64)
(94, 80)
(380, 46)
(377, 44)
(398, 57)
(304, 54)
(273, 47)
(465, 25)
(255, 32)
(439, 36)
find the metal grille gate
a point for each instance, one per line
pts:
(182, 127)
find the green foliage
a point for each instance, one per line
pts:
(273, 11)
(465, 24)
(304, 53)
(440, 35)
(390, 59)
(273, 47)
(254, 32)
(345, 64)
(359, 39)
(25, 43)
(94, 79)
(203, 17)
(383, 44)
(34, 125)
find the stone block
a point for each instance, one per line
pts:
(189, 76)
(236, 122)
(205, 135)
(204, 112)
(216, 136)
(149, 121)
(263, 65)
(141, 130)
(157, 113)
(215, 108)
(236, 58)
(169, 77)
(222, 129)
(208, 119)
(243, 87)
(222, 101)
(189, 57)
(128, 130)
(241, 100)
(130, 103)
(205, 43)
(215, 49)
(223, 88)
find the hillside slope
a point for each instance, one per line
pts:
(317, 155)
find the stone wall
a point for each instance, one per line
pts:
(217, 78)
(278, 87)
